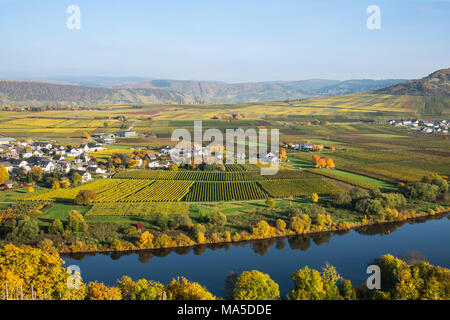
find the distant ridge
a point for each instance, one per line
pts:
(41, 93)
(15, 92)
(435, 84)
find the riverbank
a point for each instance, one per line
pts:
(349, 251)
(439, 211)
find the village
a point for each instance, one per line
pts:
(425, 126)
(20, 157)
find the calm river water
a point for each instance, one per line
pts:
(349, 252)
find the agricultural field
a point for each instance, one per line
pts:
(297, 188)
(210, 176)
(225, 191)
(163, 190)
(138, 209)
(122, 189)
(68, 195)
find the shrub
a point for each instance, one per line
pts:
(56, 227)
(263, 230)
(76, 222)
(422, 191)
(218, 220)
(85, 197)
(255, 285)
(281, 225)
(182, 289)
(99, 291)
(26, 229)
(341, 198)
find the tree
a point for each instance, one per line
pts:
(316, 159)
(85, 135)
(76, 178)
(26, 229)
(200, 237)
(270, 202)
(314, 197)
(56, 227)
(162, 221)
(56, 185)
(346, 290)
(85, 197)
(36, 173)
(181, 221)
(76, 222)
(330, 163)
(341, 198)
(147, 290)
(281, 225)
(283, 155)
(322, 163)
(218, 220)
(182, 289)
(25, 267)
(65, 183)
(263, 230)
(30, 189)
(300, 223)
(255, 285)
(4, 175)
(99, 291)
(310, 284)
(145, 240)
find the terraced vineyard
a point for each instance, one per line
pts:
(224, 191)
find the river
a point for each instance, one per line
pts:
(350, 252)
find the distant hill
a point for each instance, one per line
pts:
(125, 90)
(41, 93)
(264, 91)
(435, 84)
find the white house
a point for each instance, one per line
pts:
(153, 164)
(85, 176)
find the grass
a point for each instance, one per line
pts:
(14, 195)
(326, 142)
(375, 182)
(382, 135)
(60, 211)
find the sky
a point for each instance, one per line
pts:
(230, 41)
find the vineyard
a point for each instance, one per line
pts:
(161, 191)
(65, 195)
(122, 190)
(210, 176)
(225, 191)
(145, 186)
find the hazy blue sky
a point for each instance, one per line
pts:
(232, 40)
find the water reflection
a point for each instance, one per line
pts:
(261, 247)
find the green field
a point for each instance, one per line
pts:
(383, 135)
